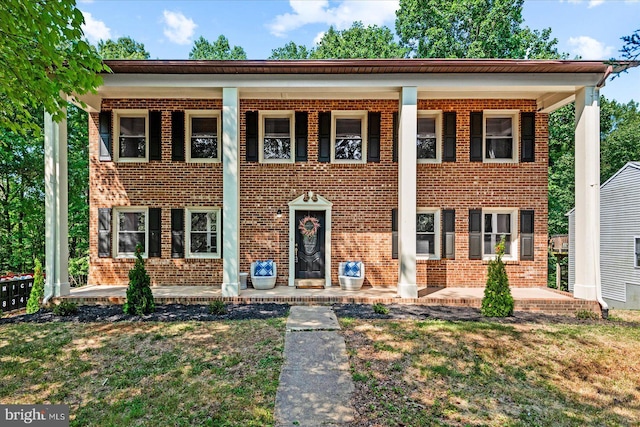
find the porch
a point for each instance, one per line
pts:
(543, 300)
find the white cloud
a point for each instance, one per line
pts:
(341, 16)
(318, 37)
(93, 29)
(589, 48)
(590, 3)
(178, 28)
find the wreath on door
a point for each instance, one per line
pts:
(309, 226)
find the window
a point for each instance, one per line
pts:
(203, 130)
(428, 137)
(349, 142)
(203, 236)
(637, 252)
(498, 223)
(428, 233)
(276, 136)
(131, 225)
(132, 135)
(500, 136)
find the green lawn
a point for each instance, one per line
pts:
(424, 373)
(146, 374)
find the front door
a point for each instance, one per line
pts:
(309, 252)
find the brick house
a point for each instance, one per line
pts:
(415, 167)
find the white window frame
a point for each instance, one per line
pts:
(437, 115)
(437, 228)
(119, 114)
(116, 228)
(514, 115)
(201, 209)
(191, 114)
(276, 114)
(636, 256)
(349, 114)
(515, 235)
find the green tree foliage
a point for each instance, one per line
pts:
(497, 301)
(631, 49)
(290, 51)
(358, 41)
(37, 291)
(123, 48)
(620, 129)
(470, 29)
(219, 49)
(42, 54)
(139, 296)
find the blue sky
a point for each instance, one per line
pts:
(590, 28)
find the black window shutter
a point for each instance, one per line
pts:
(324, 137)
(221, 236)
(526, 235)
(155, 135)
(449, 146)
(528, 137)
(155, 228)
(251, 135)
(394, 233)
(395, 136)
(449, 235)
(104, 127)
(104, 232)
(475, 234)
(177, 136)
(373, 138)
(475, 148)
(177, 233)
(302, 119)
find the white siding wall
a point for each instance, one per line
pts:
(572, 250)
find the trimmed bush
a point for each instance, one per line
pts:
(37, 291)
(139, 296)
(497, 301)
(217, 308)
(65, 308)
(380, 308)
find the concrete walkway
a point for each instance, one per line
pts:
(315, 381)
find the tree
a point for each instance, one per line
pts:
(620, 130)
(220, 49)
(358, 41)
(37, 291)
(470, 29)
(631, 49)
(497, 301)
(139, 296)
(42, 54)
(123, 48)
(290, 51)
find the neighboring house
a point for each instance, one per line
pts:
(619, 238)
(415, 167)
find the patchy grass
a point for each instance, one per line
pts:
(146, 374)
(476, 373)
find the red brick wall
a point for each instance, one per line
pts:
(363, 196)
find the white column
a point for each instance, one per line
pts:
(230, 192)
(587, 228)
(56, 207)
(407, 154)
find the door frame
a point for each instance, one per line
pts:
(306, 202)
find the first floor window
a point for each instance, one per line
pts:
(427, 232)
(497, 225)
(500, 136)
(349, 137)
(132, 131)
(203, 129)
(276, 129)
(131, 230)
(203, 233)
(637, 251)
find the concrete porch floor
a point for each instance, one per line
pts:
(526, 299)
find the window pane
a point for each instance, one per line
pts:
(499, 127)
(276, 127)
(132, 147)
(277, 148)
(425, 244)
(507, 243)
(426, 138)
(127, 241)
(424, 223)
(131, 221)
(348, 139)
(204, 126)
(504, 223)
(488, 226)
(501, 148)
(132, 126)
(199, 221)
(203, 243)
(348, 128)
(204, 148)
(489, 245)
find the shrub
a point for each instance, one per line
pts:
(586, 315)
(497, 301)
(217, 307)
(380, 308)
(65, 308)
(37, 291)
(139, 296)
